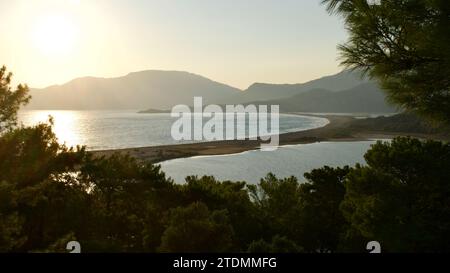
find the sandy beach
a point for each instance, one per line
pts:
(335, 130)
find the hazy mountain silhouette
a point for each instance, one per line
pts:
(163, 89)
(139, 90)
(364, 98)
(265, 91)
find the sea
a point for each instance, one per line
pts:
(105, 130)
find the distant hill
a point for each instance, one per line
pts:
(265, 91)
(140, 90)
(153, 89)
(400, 123)
(364, 98)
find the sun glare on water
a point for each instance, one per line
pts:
(65, 124)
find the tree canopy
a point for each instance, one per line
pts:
(10, 100)
(405, 45)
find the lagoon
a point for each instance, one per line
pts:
(251, 166)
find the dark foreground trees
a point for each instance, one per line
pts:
(402, 198)
(10, 100)
(50, 195)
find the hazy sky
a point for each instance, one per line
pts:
(237, 42)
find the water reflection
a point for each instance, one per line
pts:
(292, 160)
(127, 129)
(65, 124)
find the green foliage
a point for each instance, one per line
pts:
(10, 101)
(10, 221)
(306, 214)
(277, 245)
(230, 196)
(400, 123)
(277, 202)
(118, 204)
(405, 44)
(30, 155)
(402, 197)
(322, 223)
(36, 175)
(197, 229)
(127, 199)
(48, 191)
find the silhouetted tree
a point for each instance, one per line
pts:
(321, 221)
(11, 236)
(277, 245)
(128, 202)
(405, 44)
(197, 229)
(10, 100)
(38, 187)
(402, 197)
(278, 203)
(232, 196)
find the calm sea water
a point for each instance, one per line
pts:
(127, 129)
(287, 161)
(100, 130)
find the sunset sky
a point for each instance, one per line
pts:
(47, 42)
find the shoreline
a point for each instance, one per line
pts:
(335, 131)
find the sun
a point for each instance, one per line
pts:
(54, 35)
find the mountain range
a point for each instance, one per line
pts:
(265, 91)
(363, 98)
(345, 92)
(139, 90)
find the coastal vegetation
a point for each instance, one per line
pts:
(51, 194)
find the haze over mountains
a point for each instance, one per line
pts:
(364, 98)
(343, 92)
(139, 90)
(266, 91)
